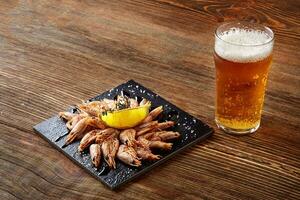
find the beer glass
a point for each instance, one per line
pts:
(242, 55)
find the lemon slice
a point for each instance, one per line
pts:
(126, 118)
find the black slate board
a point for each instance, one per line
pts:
(191, 129)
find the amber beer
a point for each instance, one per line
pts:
(243, 55)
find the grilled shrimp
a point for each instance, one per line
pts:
(111, 104)
(145, 154)
(75, 119)
(146, 127)
(91, 136)
(78, 131)
(66, 115)
(128, 155)
(163, 125)
(168, 135)
(153, 114)
(72, 122)
(109, 149)
(143, 150)
(161, 135)
(87, 139)
(160, 145)
(106, 134)
(128, 137)
(93, 108)
(95, 152)
(96, 122)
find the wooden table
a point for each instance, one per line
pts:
(56, 53)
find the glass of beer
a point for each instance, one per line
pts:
(242, 55)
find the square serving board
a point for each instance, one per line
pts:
(192, 130)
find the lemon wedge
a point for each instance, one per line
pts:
(126, 118)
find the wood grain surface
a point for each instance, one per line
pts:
(56, 53)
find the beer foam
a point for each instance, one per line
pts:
(243, 45)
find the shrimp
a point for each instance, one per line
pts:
(95, 152)
(66, 115)
(143, 150)
(128, 155)
(78, 131)
(94, 108)
(97, 123)
(111, 104)
(145, 154)
(153, 114)
(163, 125)
(160, 145)
(128, 137)
(161, 135)
(106, 134)
(91, 136)
(87, 139)
(75, 119)
(146, 127)
(168, 135)
(109, 149)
